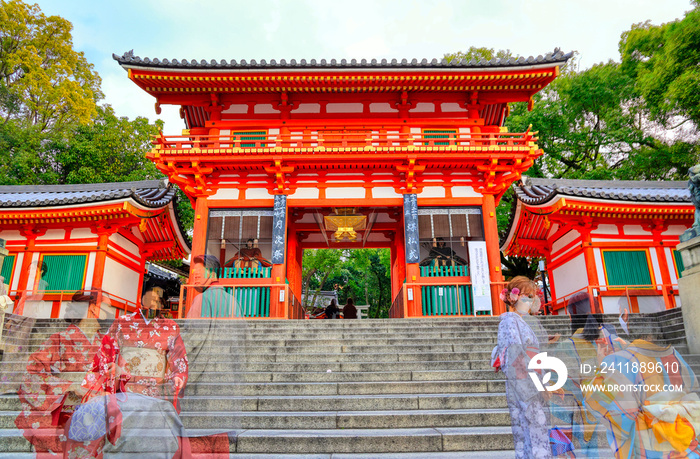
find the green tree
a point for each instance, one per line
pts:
(477, 54)
(44, 82)
(664, 62)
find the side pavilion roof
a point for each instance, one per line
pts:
(546, 207)
(149, 204)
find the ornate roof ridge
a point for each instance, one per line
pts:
(128, 58)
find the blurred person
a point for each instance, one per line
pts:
(51, 389)
(517, 343)
(332, 311)
(212, 299)
(630, 394)
(350, 311)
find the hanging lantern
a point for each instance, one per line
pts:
(345, 222)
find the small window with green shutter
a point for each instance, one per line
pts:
(64, 272)
(678, 261)
(8, 266)
(439, 134)
(249, 139)
(627, 268)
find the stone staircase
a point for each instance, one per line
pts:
(336, 389)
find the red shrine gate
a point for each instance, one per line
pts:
(279, 157)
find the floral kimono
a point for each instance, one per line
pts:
(528, 410)
(643, 416)
(154, 353)
(47, 401)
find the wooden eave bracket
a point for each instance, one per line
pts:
(280, 180)
(410, 178)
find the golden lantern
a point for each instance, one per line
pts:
(345, 222)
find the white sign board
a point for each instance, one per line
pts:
(479, 273)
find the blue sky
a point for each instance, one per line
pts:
(315, 29)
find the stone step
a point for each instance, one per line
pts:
(348, 388)
(374, 440)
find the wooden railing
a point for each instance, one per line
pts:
(93, 297)
(319, 140)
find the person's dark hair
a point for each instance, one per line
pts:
(333, 303)
(591, 331)
(210, 262)
(44, 269)
(250, 239)
(647, 332)
(350, 302)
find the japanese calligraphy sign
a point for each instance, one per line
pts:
(279, 227)
(410, 211)
(479, 274)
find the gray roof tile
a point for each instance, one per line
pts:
(128, 58)
(535, 191)
(150, 193)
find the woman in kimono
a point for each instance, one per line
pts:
(51, 389)
(155, 355)
(629, 393)
(517, 343)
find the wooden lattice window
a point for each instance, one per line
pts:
(678, 262)
(8, 266)
(63, 272)
(250, 139)
(449, 134)
(627, 268)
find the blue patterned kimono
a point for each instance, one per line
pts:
(528, 410)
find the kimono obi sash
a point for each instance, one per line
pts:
(149, 363)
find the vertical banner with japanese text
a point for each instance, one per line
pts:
(479, 274)
(279, 229)
(410, 211)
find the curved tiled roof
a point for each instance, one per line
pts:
(128, 59)
(536, 191)
(149, 193)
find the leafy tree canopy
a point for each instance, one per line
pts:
(44, 82)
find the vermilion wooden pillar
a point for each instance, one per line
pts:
(493, 252)
(103, 234)
(589, 257)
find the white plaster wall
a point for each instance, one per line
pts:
(675, 230)
(12, 235)
(464, 192)
(32, 271)
(15, 274)
(345, 193)
(53, 234)
(304, 193)
(90, 274)
(564, 241)
(671, 265)
(81, 233)
(605, 229)
(635, 230)
(384, 192)
(257, 193)
(120, 280)
(225, 193)
(651, 304)
(38, 309)
(125, 244)
(613, 304)
(570, 276)
(432, 192)
(655, 266)
(600, 269)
